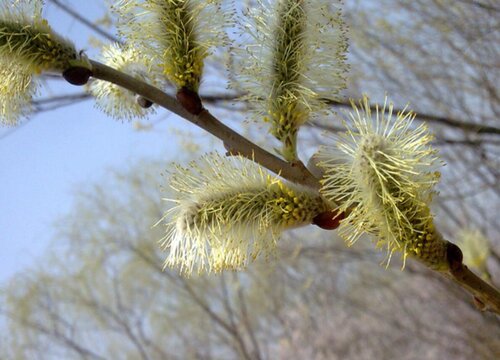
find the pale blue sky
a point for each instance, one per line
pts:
(44, 162)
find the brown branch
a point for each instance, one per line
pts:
(295, 172)
(56, 335)
(62, 98)
(486, 297)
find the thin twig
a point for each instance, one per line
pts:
(459, 124)
(85, 21)
(486, 297)
(442, 120)
(487, 294)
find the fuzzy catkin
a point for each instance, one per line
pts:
(177, 34)
(382, 172)
(115, 100)
(228, 211)
(292, 64)
(28, 47)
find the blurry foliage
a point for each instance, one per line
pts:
(100, 293)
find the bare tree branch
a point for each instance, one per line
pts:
(85, 21)
(295, 172)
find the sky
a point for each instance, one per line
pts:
(44, 162)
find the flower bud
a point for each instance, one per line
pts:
(77, 75)
(190, 101)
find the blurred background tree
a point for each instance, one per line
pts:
(100, 292)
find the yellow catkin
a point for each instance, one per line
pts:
(382, 172)
(116, 101)
(28, 47)
(292, 64)
(228, 211)
(178, 34)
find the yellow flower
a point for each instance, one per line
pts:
(230, 210)
(179, 34)
(382, 172)
(114, 100)
(293, 63)
(28, 46)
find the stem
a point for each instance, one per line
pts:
(488, 296)
(292, 171)
(295, 172)
(85, 21)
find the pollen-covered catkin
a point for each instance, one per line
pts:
(230, 210)
(292, 64)
(28, 38)
(382, 171)
(17, 88)
(178, 34)
(29, 47)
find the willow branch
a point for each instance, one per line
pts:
(487, 298)
(295, 172)
(459, 124)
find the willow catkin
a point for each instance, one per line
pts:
(382, 171)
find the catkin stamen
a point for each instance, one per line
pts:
(381, 171)
(229, 211)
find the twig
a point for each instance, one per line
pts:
(486, 297)
(447, 121)
(295, 172)
(85, 21)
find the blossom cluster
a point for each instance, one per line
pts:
(382, 171)
(28, 47)
(292, 64)
(230, 210)
(179, 34)
(378, 176)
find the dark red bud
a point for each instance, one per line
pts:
(328, 220)
(143, 102)
(190, 100)
(77, 75)
(454, 256)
